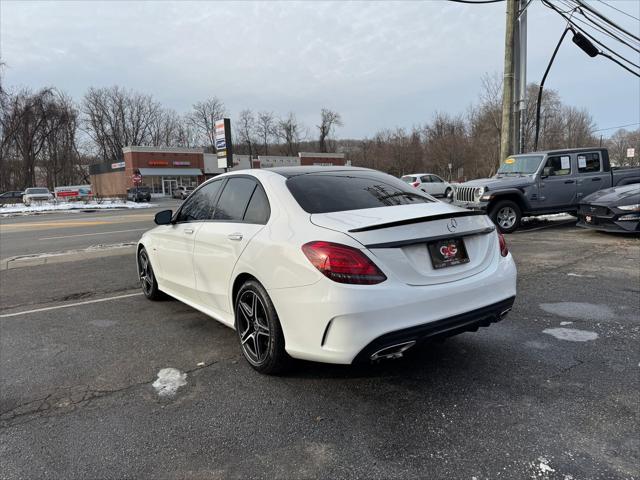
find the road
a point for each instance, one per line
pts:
(55, 232)
(81, 349)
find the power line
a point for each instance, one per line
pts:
(621, 11)
(604, 31)
(547, 3)
(602, 17)
(598, 25)
(619, 126)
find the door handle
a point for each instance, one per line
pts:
(188, 230)
(235, 236)
(596, 179)
(568, 181)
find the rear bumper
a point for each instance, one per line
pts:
(334, 323)
(447, 327)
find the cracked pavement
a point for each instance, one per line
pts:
(77, 401)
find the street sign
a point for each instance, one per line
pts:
(137, 179)
(224, 147)
(631, 152)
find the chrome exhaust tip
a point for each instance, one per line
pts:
(393, 351)
(504, 313)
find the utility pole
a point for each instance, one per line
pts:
(507, 131)
(520, 76)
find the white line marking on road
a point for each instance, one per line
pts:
(98, 233)
(87, 302)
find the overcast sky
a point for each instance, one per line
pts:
(378, 64)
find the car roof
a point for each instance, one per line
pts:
(289, 172)
(563, 150)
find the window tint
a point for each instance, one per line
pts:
(436, 179)
(234, 199)
(199, 205)
(258, 209)
(588, 162)
(425, 179)
(560, 165)
(351, 190)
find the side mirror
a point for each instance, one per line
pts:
(547, 172)
(163, 217)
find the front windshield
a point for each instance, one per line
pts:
(37, 191)
(521, 164)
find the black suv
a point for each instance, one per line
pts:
(139, 194)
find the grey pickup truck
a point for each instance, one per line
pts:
(541, 183)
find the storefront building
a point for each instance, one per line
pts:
(165, 169)
(160, 169)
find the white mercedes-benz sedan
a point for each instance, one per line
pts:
(331, 264)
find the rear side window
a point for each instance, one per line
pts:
(199, 206)
(560, 165)
(588, 162)
(425, 179)
(234, 199)
(258, 210)
(342, 191)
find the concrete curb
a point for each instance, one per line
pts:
(24, 261)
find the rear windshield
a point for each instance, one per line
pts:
(340, 191)
(36, 191)
(408, 179)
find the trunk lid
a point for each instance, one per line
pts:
(398, 237)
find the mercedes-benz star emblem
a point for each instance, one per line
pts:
(452, 225)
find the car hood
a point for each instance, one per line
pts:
(626, 194)
(499, 181)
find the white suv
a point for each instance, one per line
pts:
(32, 195)
(429, 183)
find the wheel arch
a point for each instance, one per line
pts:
(240, 280)
(515, 196)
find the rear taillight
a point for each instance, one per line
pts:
(415, 184)
(343, 264)
(504, 250)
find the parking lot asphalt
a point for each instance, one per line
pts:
(550, 392)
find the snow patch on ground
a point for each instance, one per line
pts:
(565, 323)
(571, 334)
(580, 275)
(581, 311)
(168, 382)
(541, 468)
(21, 208)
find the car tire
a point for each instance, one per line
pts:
(447, 192)
(506, 214)
(148, 281)
(259, 331)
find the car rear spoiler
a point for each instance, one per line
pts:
(409, 221)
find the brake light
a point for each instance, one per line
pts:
(343, 264)
(504, 250)
(415, 184)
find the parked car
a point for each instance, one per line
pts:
(541, 183)
(14, 196)
(139, 194)
(36, 194)
(429, 183)
(182, 192)
(330, 264)
(612, 210)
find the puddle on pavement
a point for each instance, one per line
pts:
(571, 334)
(577, 310)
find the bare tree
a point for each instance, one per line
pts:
(618, 145)
(329, 120)
(203, 118)
(246, 131)
(289, 131)
(265, 129)
(115, 118)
